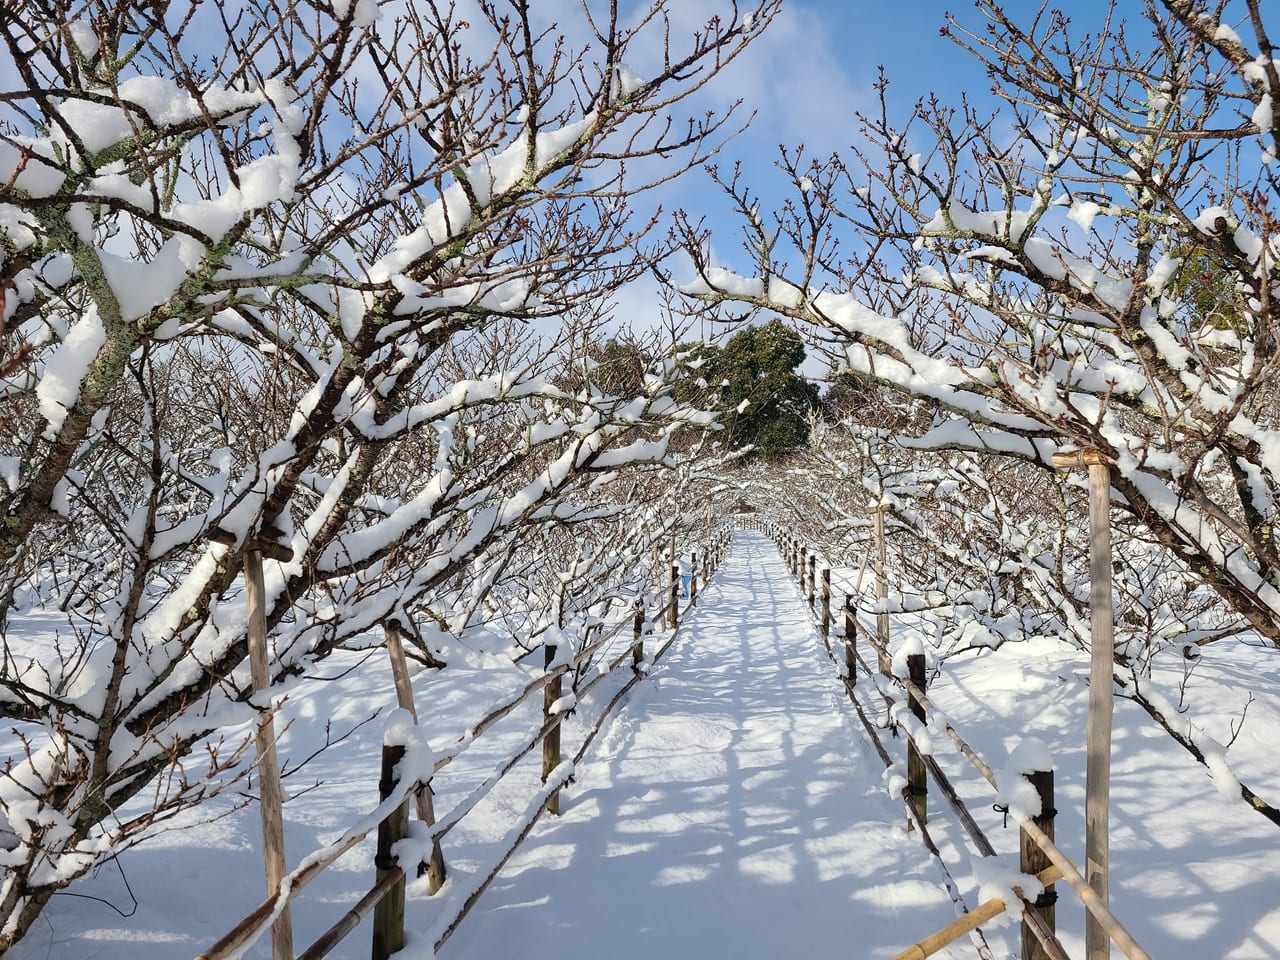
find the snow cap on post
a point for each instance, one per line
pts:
(912, 646)
(401, 729)
(1014, 791)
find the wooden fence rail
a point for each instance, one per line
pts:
(1039, 853)
(390, 818)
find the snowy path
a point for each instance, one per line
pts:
(730, 810)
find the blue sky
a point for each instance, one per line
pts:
(816, 66)
(805, 78)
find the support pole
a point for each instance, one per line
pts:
(882, 594)
(693, 580)
(270, 792)
(812, 587)
(551, 742)
(1097, 802)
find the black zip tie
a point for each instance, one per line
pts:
(1002, 808)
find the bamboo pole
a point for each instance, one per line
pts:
(1048, 940)
(970, 921)
(424, 800)
(983, 949)
(1101, 689)
(1094, 906)
(271, 795)
(351, 919)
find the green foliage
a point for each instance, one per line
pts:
(614, 368)
(1206, 288)
(619, 367)
(764, 404)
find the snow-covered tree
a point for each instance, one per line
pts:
(1093, 266)
(296, 277)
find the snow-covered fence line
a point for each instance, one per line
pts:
(409, 768)
(900, 682)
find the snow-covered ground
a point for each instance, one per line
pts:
(731, 808)
(732, 811)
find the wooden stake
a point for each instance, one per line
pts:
(826, 601)
(693, 580)
(813, 571)
(271, 795)
(388, 915)
(1033, 860)
(551, 743)
(675, 596)
(882, 594)
(637, 637)
(1098, 731)
(850, 641)
(917, 776)
(424, 800)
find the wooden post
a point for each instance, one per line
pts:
(917, 776)
(1097, 801)
(882, 594)
(675, 596)
(850, 640)
(271, 796)
(551, 743)
(801, 560)
(657, 565)
(826, 601)
(1033, 860)
(388, 915)
(812, 589)
(693, 580)
(675, 560)
(637, 637)
(433, 869)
